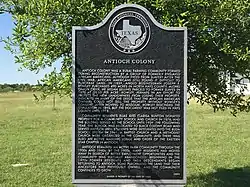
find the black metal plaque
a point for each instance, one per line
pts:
(129, 97)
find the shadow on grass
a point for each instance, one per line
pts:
(236, 177)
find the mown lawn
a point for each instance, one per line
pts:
(32, 133)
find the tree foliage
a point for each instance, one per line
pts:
(17, 87)
(218, 39)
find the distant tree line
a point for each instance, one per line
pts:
(17, 87)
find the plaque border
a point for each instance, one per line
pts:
(129, 181)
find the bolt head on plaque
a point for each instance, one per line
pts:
(129, 32)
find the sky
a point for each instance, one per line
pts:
(8, 69)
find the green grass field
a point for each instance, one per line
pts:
(218, 144)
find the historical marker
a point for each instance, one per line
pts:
(129, 100)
